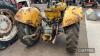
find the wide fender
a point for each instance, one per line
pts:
(29, 15)
(73, 14)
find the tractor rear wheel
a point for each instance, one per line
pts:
(25, 30)
(72, 33)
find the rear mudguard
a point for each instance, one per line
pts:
(29, 15)
(73, 14)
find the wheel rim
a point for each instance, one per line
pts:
(7, 13)
(7, 27)
(6, 21)
(5, 24)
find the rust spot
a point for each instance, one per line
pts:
(29, 22)
(73, 8)
(29, 9)
(17, 16)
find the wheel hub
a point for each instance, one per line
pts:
(5, 24)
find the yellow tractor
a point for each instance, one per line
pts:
(59, 18)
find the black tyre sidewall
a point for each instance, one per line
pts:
(72, 34)
(14, 39)
(21, 31)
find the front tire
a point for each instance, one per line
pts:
(72, 33)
